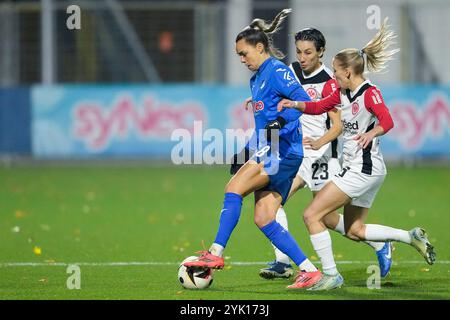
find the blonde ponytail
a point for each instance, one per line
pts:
(376, 50)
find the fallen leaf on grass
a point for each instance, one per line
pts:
(37, 251)
(19, 214)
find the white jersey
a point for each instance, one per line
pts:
(357, 119)
(317, 85)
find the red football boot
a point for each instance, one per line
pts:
(305, 279)
(206, 260)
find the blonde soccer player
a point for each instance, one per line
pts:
(365, 118)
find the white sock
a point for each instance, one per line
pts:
(341, 229)
(282, 220)
(322, 245)
(307, 266)
(340, 226)
(216, 249)
(376, 232)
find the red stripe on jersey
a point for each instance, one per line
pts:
(374, 103)
(324, 105)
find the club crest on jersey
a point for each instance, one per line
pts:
(258, 106)
(312, 93)
(355, 108)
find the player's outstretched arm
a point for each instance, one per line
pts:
(312, 107)
(286, 103)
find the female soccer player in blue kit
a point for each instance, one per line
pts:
(271, 170)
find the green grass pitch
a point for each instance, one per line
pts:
(155, 216)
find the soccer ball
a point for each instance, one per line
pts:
(194, 277)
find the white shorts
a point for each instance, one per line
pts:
(316, 172)
(361, 187)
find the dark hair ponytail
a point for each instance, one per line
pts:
(259, 31)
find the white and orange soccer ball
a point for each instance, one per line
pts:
(194, 277)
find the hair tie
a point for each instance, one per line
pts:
(361, 53)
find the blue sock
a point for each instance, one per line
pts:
(283, 240)
(229, 217)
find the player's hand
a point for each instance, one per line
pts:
(364, 139)
(248, 103)
(309, 143)
(285, 103)
(276, 124)
(238, 160)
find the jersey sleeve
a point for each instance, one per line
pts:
(329, 87)
(375, 104)
(287, 86)
(324, 105)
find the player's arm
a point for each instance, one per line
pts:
(330, 135)
(298, 94)
(312, 107)
(335, 117)
(374, 103)
(285, 84)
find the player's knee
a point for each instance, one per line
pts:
(309, 217)
(261, 220)
(264, 213)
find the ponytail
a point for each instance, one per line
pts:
(260, 31)
(376, 52)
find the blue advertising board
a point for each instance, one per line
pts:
(126, 121)
(143, 120)
(422, 122)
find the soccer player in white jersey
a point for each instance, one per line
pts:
(320, 161)
(365, 117)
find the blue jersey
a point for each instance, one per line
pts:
(269, 85)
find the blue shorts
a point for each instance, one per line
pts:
(281, 171)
